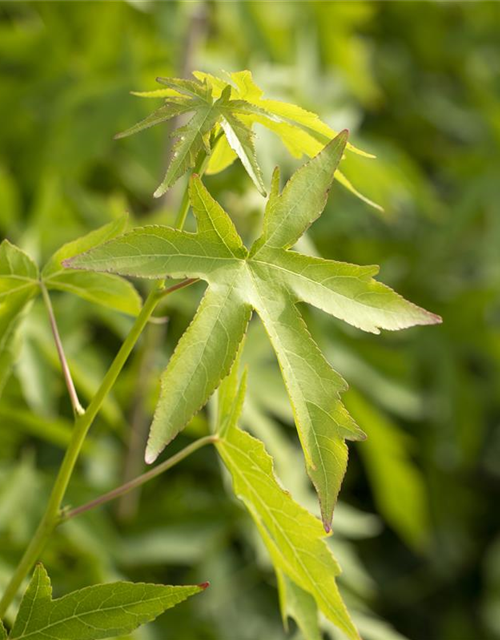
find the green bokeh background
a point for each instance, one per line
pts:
(418, 84)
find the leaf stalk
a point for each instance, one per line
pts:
(78, 410)
(140, 480)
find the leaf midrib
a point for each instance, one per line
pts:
(87, 613)
(278, 526)
(354, 299)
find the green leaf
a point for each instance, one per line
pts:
(18, 272)
(201, 359)
(100, 611)
(301, 131)
(270, 279)
(18, 285)
(168, 111)
(291, 534)
(101, 288)
(3, 633)
(233, 106)
(300, 605)
(240, 139)
(191, 139)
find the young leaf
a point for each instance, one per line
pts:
(3, 633)
(291, 534)
(301, 131)
(101, 288)
(233, 107)
(100, 611)
(18, 272)
(191, 139)
(269, 279)
(167, 112)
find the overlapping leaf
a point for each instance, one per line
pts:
(305, 566)
(232, 107)
(20, 282)
(102, 288)
(18, 285)
(269, 279)
(100, 611)
(209, 114)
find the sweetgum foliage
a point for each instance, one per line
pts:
(269, 279)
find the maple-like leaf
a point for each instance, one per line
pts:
(270, 279)
(209, 113)
(99, 611)
(231, 107)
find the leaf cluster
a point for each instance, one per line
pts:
(224, 114)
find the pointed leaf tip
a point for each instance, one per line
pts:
(150, 456)
(204, 585)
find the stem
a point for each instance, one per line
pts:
(82, 425)
(140, 480)
(78, 410)
(84, 421)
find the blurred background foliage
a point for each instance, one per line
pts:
(418, 84)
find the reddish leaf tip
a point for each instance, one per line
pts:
(327, 527)
(204, 585)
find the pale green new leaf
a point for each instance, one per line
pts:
(270, 279)
(101, 288)
(301, 131)
(18, 272)
(291, 534)
(191, 139)
(240, 138)
(233, 105)
(100, 611)
(168, 111)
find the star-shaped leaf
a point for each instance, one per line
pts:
(209, 114)
(100, 611)
(269, 279)
(231, 107)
